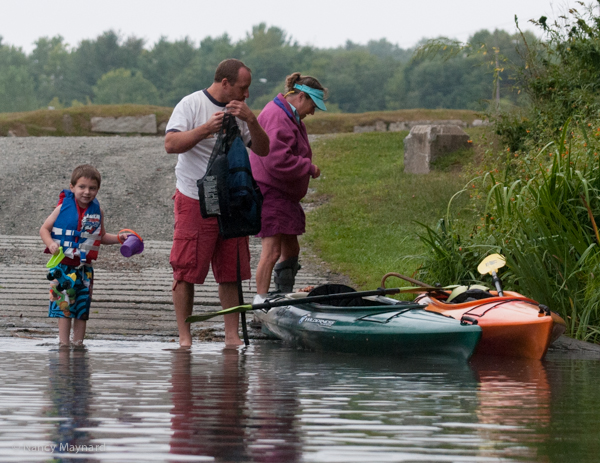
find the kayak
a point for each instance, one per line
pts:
(366, 325)
(512, 324)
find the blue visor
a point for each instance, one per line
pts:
(316, 95)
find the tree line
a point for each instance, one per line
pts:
(377, 76)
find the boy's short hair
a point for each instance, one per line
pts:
(86, 171)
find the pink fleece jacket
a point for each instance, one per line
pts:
(288, 166)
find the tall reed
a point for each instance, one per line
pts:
(546, 228)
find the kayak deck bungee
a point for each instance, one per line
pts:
(512, 325)
(371, 325)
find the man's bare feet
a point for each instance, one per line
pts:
(233, 342)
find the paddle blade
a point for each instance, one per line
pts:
(491, 263)
(208, 316)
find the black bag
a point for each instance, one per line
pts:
(228, 191)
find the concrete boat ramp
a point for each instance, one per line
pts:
(132, 302)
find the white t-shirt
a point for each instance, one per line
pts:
(191, 112)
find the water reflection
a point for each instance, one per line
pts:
(269, 403)
(70, 392)
(217, 412)
(209, 406)
(356, 409)
(512, 392)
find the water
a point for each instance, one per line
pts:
(117, 401)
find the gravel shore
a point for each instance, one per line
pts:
(138, 181)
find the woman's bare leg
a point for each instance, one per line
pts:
(271, 251)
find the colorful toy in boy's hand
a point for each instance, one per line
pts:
(56, 259)
(63, 291)
(62, 298)
(133, 244)
(64, 281)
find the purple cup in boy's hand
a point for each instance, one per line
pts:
(132, 245)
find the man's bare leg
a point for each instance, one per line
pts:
(183, 301)
(228, 294)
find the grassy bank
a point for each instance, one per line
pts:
(365, 225)
(72, 121)
(77, 121)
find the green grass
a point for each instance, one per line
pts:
(366, 224)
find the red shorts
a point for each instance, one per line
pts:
(197, 244)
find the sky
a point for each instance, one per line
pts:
(320, 23)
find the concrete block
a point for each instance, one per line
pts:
(426, 143)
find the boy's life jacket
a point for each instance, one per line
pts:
(79, 239)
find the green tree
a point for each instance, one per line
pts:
(121, 86)
(17, 91)
(163, 65)
(356, 79)
(94, 58)
(200, 71)
(272, 56)
(49, 66)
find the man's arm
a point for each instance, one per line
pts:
(260, 139)
(180, 142)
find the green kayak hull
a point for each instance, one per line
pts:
(381, 330)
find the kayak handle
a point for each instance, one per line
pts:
(544, 309)
(466, 320)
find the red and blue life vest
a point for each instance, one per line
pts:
(78, 240)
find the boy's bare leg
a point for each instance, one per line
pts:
(183, 301)
(228, 294)
(78, 331)
(64, 331)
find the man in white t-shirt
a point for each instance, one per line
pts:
(196, 243)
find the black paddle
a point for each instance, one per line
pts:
(305, 300)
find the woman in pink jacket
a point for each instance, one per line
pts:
(283, 178)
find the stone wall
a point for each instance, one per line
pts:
(399, 126)
(426, 143)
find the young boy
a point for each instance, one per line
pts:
(77, 225)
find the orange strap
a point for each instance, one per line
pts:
(127, 230)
